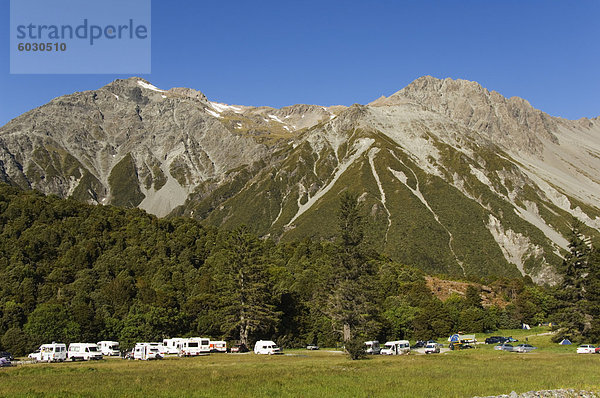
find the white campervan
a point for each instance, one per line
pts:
(109, 348)
(266, 347)
(194, 346)
(172, 345)
(84, 352)
(398, 347)
(146, 351)
(55, 352)
(372, 347)
(218, 346)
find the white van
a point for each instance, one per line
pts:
(84, 352)
(266, 347)
(172, 345)
(218, 346)
(146, 351)
(194, 346)
(160, 347)
(372, 347)
(55, 352)
(109, 348)
(398, 347)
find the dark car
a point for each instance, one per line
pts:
(495, 340)
(419, 344)
(4, 362)
(239, 348)
(7, 355)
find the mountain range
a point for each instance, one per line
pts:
(453, 178)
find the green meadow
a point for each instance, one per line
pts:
(480, 371)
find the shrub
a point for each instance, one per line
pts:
(355, 348)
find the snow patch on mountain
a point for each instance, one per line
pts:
(149, 86)
(224, 107)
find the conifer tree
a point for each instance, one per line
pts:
(351, 302)
(246, 303)
(573, 315)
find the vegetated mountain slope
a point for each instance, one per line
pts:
(132, 144)
(454, 179)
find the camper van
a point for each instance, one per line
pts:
(266, 347)
(172, 345)
(372, 347)
(398, 347)
(146, 351)
(109, 348)
(160, 347)
(218, 346)
(84, 352)
(194, 346)
(55, 352)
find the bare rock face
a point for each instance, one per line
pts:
(457, 179)
(513, 123)
(72, 145)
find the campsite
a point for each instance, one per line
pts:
(479, 371)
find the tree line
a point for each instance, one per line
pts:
(73, 272)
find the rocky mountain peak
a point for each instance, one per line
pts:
(512, 123)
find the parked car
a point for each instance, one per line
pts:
(55, 352)
(239, 348)
(457, 345)
(312, 347)
(7, 355)
(4, 362)
(193, 346)
(266, 347)
(372, 347)
(597, 350)
(146, 352)
(172, 346)
(109, 348)
(84, 352)
(524, 348)
(504, 347)
(511, 340)
(586, 349)
(218, 346)
(432, 348)
(495, 340)
(419, 344)
(398, 347)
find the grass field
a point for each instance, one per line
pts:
(481, 371)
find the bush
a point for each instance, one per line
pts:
(355, 348)
(16, 342)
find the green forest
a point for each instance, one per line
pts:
(72, 272)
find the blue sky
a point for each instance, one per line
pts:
(280, 53)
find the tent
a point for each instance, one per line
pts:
(565, 342)
(454, 338)
(526, 326)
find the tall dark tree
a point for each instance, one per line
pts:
(573, 314)
(351, 303)
(245, 296)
